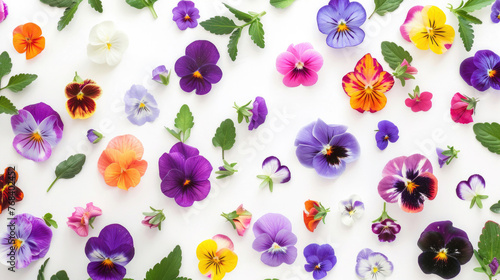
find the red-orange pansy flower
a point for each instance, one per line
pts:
(10, 192)
(28, 38)
(82, 94)
(315, 214)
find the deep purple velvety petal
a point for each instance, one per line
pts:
(486, 59)
(349, 38)
(170, 161)
(189, 83)
(382, 143)
(122, 254)
(445, 269)
(325, 252)
(185, 66)
(461, 249)
(96, 249)
(262, 242)
(480, 80)
(447, 230)
(40, 111)
(172, 183)
(305, 154)
(40, 237)
(259, 113)
(271, 224)
(115, 235)
(327, 170)
(211, 73)
(186, 150)
(319, 274)
(467, 68)
(311, 250)
(198, 168)
(195, 191)
(203, 52)
(98, 271)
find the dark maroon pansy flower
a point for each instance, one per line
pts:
(386, 230)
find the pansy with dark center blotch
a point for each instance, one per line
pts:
(408, 181)
(445, 248)
(482, 71)
(10, 193)
(81, 98)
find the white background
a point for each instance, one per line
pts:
(156, 42)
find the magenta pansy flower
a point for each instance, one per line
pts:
(38, 129)
(386, 230)
(4, 11)
(462, 108)
(186, 15)
(299, 64)
(419, 101)
(82, 218)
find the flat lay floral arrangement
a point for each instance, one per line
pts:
(278, 139)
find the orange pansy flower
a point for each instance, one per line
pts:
(28, 38)
(82, 94)
(309, 220)
(120, 163)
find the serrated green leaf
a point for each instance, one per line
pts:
(60, 275)
(384, 6)
(69, 168)
(239, 14)
(96, 4)
(5, 64)
(495, 208)
(470, 18)
(20, 81)
(256, 32)
(138, 4)
(488, 135)
(225, 136)
(184, 119)
(40, 275)
(58, 3)
(466, 32)
(232, 47)
(281, 3)
(68, 15)
(167, 268)
(489, 242)
(6, 107)
(473, 5)
(394, 54)
(219, 25)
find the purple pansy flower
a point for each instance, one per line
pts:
(184, 174)
(444, 248)
(38, 129)
(373, 265)
(386, 230)
(27, 239)
(185, 15)
(198, 69)
(482, 71)
(387, 131)
(495, 12)
(320, 259)
(161, 75)
(109, 253)
(140, 105)
(274, 238)
(4, 11)
(472, 190)
(327, 148)
(259, 113)
(273, 172)
(341, 19)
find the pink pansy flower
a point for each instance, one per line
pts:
(81, 219)
(462, 108)
(419, 101)
(410, 70)
(240, 219)
(299, 64)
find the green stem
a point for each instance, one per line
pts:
(152, 9)
(222, 154)
(371, 14)
(252, 21)
(52, 184)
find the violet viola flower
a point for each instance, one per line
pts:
(444, 248)
(4, 11)
(482, 71)
(30, 242)
(495, 12)
(273, 172)
(387, 131)
(327, 148)
(109, 253)
(82, 218)
(38, 129)
(341, 19)
(198, 69)
(161, 75)
(446, 156)
(186, 15)
(373, 265)
(184, 174)
(255, 115)
(320, 259)
(94, 136)
(409, 182)
(472, 190)
(140, 105)
(274, 238)
(299, 64)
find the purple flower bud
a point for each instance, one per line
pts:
(494, 266)
(94, 136)
(259, 113)
(4, 11)
(161, 75)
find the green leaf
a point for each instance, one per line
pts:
(40, 271)
(282, 3)
(7, 107)
(168, 268)
(470, 18)
(473, 5)
(20, 81)
(68, 15)
(225, 136)
(239, 14)
(138, 4)
(47, 218)
(184, 120)
(232, 47)
(60, 275)
(489, 242)
(175, 134)
(182, 278)
(58, 3)
(488, 135)
(394, 54)
(479, 269)
(495, 208)
(466, 32)
(256, 32)
(384, 6)
(69, 168)
(96, 4)
(219, 25)
(5, 64)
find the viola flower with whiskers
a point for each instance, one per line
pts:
(140, 105)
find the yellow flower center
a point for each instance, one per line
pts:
(498, 17)
(299, 65)
(108, 45)
(79, 96)
(492, 73)
(17, 243)
(386, 137)
(352, 212)
(187, 17)
(441, 255)
(342, 27)
(374, 269)
(187, 182)
(36, 137)
(317, 267)
(107, 262)
(411, 186)
(197, 75)
(430, 31)
(142, 105)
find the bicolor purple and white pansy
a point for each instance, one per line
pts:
(373, 265)
(472, 190)
(140, 105)
(274, 172)
(351, 210)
